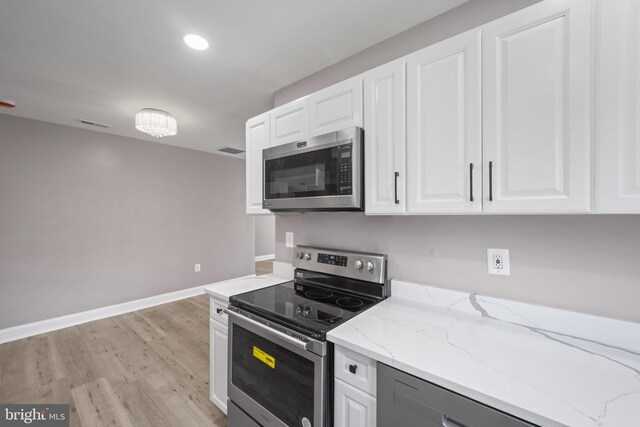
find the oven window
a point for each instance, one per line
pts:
(308, 174)
(285, 387)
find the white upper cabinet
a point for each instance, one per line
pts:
(257, 139)
(536, 113)
(290, 122)
(618, 107)
(444, 145)
(336, 107)
(384, 128)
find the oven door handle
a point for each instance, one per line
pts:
(303, 345)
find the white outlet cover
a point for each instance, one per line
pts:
(196, 268)
(288, 241)
(498, 262)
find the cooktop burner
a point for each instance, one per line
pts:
(318, 294)
(349, 302)
(271, 295)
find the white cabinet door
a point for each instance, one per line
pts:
(353, 408)
(336, 107)
(218, 346)
(384, 129)
(444, 145)
(290, 122)
(257, 139)
(537, 104)
(618, 107)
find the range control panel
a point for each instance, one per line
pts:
(357, 265)
(332, 259)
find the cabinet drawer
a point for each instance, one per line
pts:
(356, 370)
(217, 308)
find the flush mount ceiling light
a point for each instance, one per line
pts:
(196, 42)
(156, 123)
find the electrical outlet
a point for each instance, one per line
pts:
(196, 268)
(498, 262)
(288, 239)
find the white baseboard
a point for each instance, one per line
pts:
(265, 257)
(42, 326)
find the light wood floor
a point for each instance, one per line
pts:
(264, 267)
(145, 368)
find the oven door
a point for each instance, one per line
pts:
(324, 172)
(274, 377)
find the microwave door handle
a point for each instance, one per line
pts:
(293, 341)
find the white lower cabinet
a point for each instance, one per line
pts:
(353, 408)
(354, 389)
(218, 348)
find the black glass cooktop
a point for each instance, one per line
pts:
(309, 309)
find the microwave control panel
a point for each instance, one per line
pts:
(344, 170)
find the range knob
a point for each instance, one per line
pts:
(358, 264)
(370, 266)
(299, 255)
(307, 256)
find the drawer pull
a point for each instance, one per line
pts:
(219, 310)
(448, 422)
(353, 369)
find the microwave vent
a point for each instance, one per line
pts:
(231, 150)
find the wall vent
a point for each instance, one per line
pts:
(231, 150)
(90, 123)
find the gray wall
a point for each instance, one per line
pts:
(581, 263)
(265, 234)
(464, 17)
(89, 219)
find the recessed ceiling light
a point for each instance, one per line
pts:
(196, 42)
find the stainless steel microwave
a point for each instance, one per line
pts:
(320, 174)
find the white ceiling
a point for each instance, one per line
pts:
(104, 60)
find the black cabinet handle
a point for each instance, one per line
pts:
(471, 182)
(397, 174)
(353, 368)
(491, 181)
(218, 310)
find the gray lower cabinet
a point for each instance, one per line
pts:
(404, 400)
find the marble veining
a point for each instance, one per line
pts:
(547, 366)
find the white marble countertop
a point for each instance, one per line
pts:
(224, 290)
(546, 366)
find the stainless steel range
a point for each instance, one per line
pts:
(280, 363)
